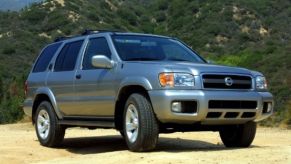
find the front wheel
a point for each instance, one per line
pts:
(238, 135)
(140, 126)
(49, 132)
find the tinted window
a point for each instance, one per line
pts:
(67, 58)
(148, 48)
(45, 57)
(176, 52)
(96, 46)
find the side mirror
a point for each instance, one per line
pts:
(101, 61)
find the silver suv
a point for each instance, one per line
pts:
(141, 85)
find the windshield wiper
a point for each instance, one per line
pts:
(176, 59)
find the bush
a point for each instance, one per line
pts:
(163, 4)
(129, 16)
(160, 16)
(10, 110)
(8, 50)
(34, 16)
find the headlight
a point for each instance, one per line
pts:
(176, 80)
(261, 83)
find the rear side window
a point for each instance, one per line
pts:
(96, 46)
(67, 58)
(45, 57)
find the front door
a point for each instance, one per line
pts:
(94, 87)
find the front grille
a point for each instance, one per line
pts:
(230, 115)
(213, 115)
(231, 104)
(248, 115)
(213, 81)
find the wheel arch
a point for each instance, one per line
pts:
(45, 94)
(122, 96)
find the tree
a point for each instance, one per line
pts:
(1, 90)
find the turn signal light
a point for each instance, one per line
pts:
(166, 79)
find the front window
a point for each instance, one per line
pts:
(151, 48)
(96, 46)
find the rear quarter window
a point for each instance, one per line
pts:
(45, 57)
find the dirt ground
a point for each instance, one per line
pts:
(19, 144)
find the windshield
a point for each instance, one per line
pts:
(151, 48)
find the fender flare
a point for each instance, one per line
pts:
(140, 81)
(46, 91)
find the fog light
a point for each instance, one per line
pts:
(269, 107)
(176, 107)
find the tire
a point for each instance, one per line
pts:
(48, 131)
(238, 135)
(121, 133)
(140, 126)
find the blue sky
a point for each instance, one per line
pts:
(15, 5)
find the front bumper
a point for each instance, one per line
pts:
(162, 100)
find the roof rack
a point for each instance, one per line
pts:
(60, 38)
(86, 32)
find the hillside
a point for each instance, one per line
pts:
(251, 34)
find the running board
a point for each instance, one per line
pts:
(101, 124)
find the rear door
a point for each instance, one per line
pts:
(40, 70)
(61, 78)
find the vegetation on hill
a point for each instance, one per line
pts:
(246, 33)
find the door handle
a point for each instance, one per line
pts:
(78, 76)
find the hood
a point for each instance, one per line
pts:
(198, 68)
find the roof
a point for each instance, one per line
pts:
(91, 32)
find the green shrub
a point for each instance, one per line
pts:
(161, 16)
(9, 50)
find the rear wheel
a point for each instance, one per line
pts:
(121, 133)
(140, 126)
(238, 135)
(49, 132)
